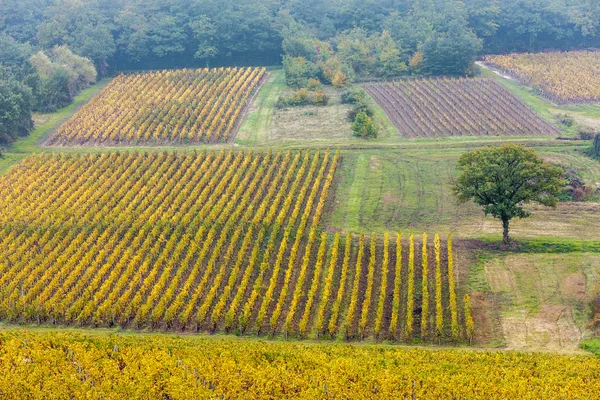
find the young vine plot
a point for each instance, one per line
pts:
(73, 365)
(452, 107)
(216, 241)
(563, 77)
(165, 107)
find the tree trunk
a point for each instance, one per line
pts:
(505, 223)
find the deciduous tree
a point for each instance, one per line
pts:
(503, 179)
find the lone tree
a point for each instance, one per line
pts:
(502, 179)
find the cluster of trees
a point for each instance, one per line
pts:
(34, 79)
(167, 33)
(333, 40)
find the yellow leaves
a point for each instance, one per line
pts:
(564, 77)
(211, 241)
(57, 364)
(141, 108)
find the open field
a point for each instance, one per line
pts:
(541, 299)
(266, 123)
(304, 126)
(69, 363)
(563, 77)
(454, 107)
(166, 107)
(408, 189)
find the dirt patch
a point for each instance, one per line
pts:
(537, 297)
(574, 286)
(374, 162)
(485, 318)
(390, 198)
(552, 328)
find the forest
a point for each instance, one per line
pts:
(51, 49)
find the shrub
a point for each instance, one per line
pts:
(313, 84)
(339, 80)
(320, 98)
(363, 126)
(303, 97)
(566, 120)
(352, 96)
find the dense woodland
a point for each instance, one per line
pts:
(334, 40)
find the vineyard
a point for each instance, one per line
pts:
(166, 107)
(74, 365)
(563, 77)
(214, 241)
(453, 107)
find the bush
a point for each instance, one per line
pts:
(566, 120)
(363, 126)
(303, 97)
(352, 96)
(313, 84)
(320, 98)
(339, 80)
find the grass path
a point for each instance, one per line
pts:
(256, 125)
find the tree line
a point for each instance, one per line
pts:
(337, 40)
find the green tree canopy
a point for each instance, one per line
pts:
(363, 126)
(452, 52)
(503, 179)
(15, 109)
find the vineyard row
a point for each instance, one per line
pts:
(453, 107)
(217, 241)
(165, 107)
(74, 365)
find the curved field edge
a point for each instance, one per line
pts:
(107, 363)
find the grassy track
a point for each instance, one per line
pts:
(255, 126)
